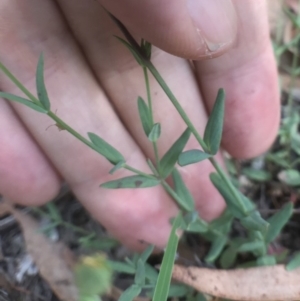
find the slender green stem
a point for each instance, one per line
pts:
(149, 99)
(148, 64)
(188, 122)
(18, 84)
(139, 172)
(172, 193)
(66, 127)
(148, 93)
(175, 102)
(62, 125)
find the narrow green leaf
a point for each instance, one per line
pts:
(40, 84)
(201, 297)
(214, 127)
(255, 222)
(118, 166)
(192, 156)
(194, 223)
(105, 149)
(257, 175)
(121, 267)
(252, 246)
(228, 258)
(294, 263)
(131, 182)
(222, 220)
(145, 115)
(54, 212)
(130, 293)
(170, 158)
(155, 132)
(216, 249)
(147, 252)
(182, 191)
(132, 50)
(278, 221)
(230, 200)
(89, 298)
(178, 290)
(291, 177)
(165, 274)
(139, 278)
(267, 260)
(197, 226)
(146, 48)
(23, 101)
(151, 273)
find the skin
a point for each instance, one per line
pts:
(93, 83)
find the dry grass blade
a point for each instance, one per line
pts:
(51, 258)
(259, 284)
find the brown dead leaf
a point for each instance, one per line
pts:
(259, 284)
(51, 258)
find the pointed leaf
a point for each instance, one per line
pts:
(291, 177)
(145, 115)
(178, 291)
(121, 267)
(214, 127)
(146, 254)
(40, 84)
(23, 101)
(131, 182)
(130, 293)
(139, 278)
(170, 158)
(224, 219)
(234, 208)
(255, 222)
(146, 47)
(216, 249)
(132, 50)
(182, 191)
(294, 263)
(165, 274)
(278, 221)
(151, 273)
(267, 260)
(228, 258)
(192, 156)
(105, 149)
(252, 246)
(194, 223)
(155, 132)
(118, 166)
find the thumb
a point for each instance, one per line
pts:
(192, 29)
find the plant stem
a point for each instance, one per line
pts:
(18, 84)
(149, 99)
(66, 127)
(148, 64)
(188, 122)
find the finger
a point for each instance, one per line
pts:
(78, 99)
(123, 81)
(249, 76)
(192, 28)
(26, 176)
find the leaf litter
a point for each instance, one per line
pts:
(272, 283)
(54, 260)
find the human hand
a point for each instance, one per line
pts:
(93, 83)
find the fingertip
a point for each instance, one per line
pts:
(194, 29)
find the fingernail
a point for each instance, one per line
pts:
(215, 21)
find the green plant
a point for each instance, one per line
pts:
(259, 233)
